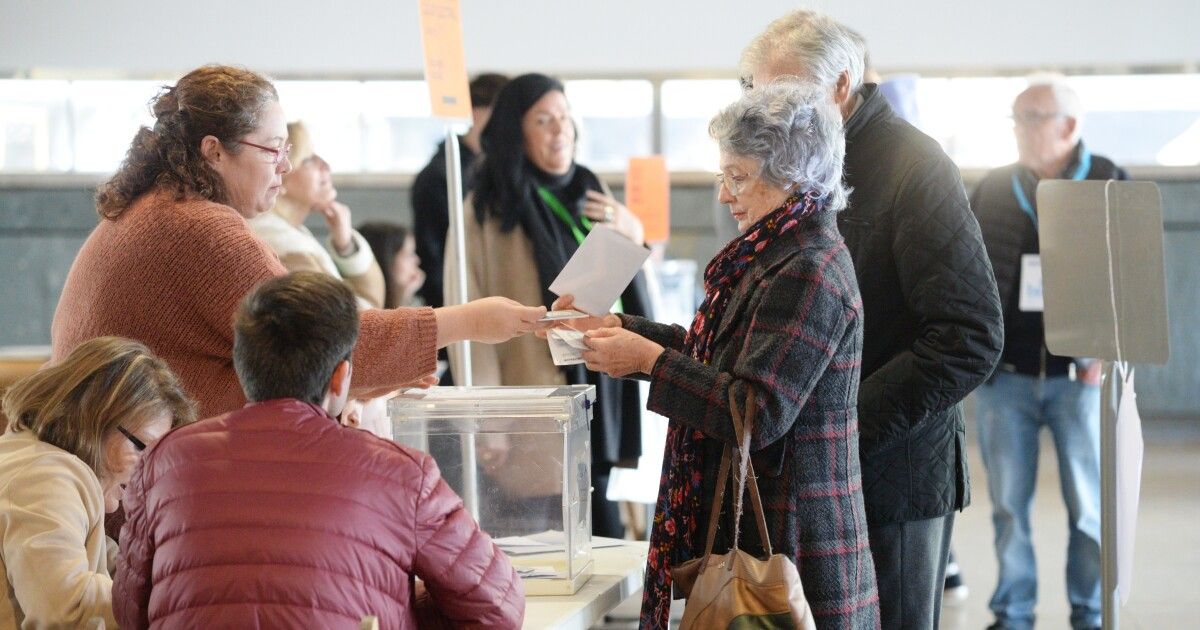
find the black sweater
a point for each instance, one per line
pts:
(431, 217)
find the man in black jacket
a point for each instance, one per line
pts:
(933, 329)
(1033, 388)
(431, 217)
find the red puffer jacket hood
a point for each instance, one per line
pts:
(274, 516)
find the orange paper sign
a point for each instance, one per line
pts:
(445, 63)
(648, 195)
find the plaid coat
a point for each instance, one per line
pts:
(793, 331)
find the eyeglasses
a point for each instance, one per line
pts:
(1033, 118)
(735, 183)
(138, 444)
(279, 155)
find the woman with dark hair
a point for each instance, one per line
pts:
(173, 254)
(395, 250)
(531, 207)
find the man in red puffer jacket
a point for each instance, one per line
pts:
(275, 516)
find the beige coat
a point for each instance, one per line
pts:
(502, 264)
(299, 250)
(52, 542)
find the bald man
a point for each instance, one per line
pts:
(1032, 388)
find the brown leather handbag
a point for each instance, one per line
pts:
(736, 589)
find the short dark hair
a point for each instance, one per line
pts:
(290, 333)
(485, 87)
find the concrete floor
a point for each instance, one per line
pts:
(1166, 589)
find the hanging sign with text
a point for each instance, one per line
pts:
(445, 62)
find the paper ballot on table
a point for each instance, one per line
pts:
(1129, 483)
(566, 346)
(600, 270)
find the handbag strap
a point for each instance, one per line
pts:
(747, 477)
(714, 514)
(742, 431)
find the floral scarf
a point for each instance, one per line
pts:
(673, 532)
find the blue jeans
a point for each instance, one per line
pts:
(1012, 409)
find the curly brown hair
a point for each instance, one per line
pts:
(225, 102)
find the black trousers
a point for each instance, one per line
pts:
(910, 567)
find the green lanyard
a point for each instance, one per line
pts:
(561, 212)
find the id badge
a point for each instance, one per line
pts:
(1031, 284)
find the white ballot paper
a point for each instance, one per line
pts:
(555, 316)
(1130, 448)
(600, 270)
(1031, 299)
(566, 346)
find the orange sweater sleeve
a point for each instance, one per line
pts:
(394, 346)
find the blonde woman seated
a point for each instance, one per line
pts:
(308, 188)
(75, 433)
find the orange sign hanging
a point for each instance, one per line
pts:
(648, 195)
(445, 63)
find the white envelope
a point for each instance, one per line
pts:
(600, 270)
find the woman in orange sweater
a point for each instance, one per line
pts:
(173, 254)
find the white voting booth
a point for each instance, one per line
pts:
(1105, 297)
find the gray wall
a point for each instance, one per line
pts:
(41, 228)
(620, 36)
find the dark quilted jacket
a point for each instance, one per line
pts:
(274, 516)
(803, 363)
(933, 329)
(1009, 233)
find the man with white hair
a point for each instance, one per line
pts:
(933, 329)
(1032, 388)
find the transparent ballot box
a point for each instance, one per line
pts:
(521, 459)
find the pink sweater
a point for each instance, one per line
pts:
(171, 275)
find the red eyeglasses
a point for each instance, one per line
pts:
(278, 155)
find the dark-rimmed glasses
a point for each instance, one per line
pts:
(278, 155)
(138, 444)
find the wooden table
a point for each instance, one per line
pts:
(617, 574)
(17, 362)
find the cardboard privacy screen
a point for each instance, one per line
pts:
(1079, 223)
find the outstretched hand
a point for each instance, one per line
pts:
(498, 319)
(619, 352)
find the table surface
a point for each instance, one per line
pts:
(617, 573)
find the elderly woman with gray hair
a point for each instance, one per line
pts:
(781, 316)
